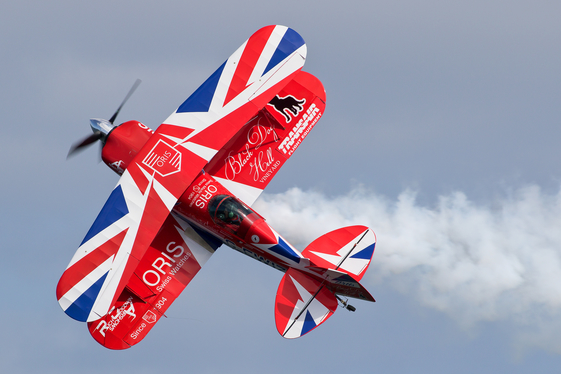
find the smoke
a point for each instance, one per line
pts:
(475, 263)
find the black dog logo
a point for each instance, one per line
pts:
(288, 105)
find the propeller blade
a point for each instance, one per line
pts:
(101, 127)
(134, 87)
(78, 146)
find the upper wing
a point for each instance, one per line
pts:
(247, 164)
(168, 163)
(173, 259)
(244, 84)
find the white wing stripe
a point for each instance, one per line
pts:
(268, 51)
(245, 193)
(75, 292)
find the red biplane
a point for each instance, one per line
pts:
(188, 187)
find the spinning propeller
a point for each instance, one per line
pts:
(101, 127)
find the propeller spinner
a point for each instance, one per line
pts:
(101, 127)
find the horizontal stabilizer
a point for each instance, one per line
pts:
(302, 304)
(348, 250)
(344, 284)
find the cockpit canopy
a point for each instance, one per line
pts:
(228, 212)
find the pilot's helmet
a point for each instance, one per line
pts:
(226, 214)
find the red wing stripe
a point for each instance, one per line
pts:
(88, 263)
(250, 56)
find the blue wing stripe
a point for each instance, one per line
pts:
(81, 308)
(200, 100)
(114, 209)
(290, 42)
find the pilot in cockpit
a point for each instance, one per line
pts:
(229, 216)
(227, 211)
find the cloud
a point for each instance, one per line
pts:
(476, 263)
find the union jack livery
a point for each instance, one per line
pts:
(187, 188)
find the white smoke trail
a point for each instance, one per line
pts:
(475, 263)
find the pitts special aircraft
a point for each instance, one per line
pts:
(187, 188)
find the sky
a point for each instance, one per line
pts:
(440, 133)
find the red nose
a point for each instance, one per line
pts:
(255, 230)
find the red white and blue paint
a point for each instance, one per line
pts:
(188, 187)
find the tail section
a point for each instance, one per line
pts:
(305, 299)
(302, 304)
(348, 250)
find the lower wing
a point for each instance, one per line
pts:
(173, 259)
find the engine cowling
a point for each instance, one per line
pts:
(123, 143)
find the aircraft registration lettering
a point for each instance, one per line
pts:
(260, 258)
(345, 283)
